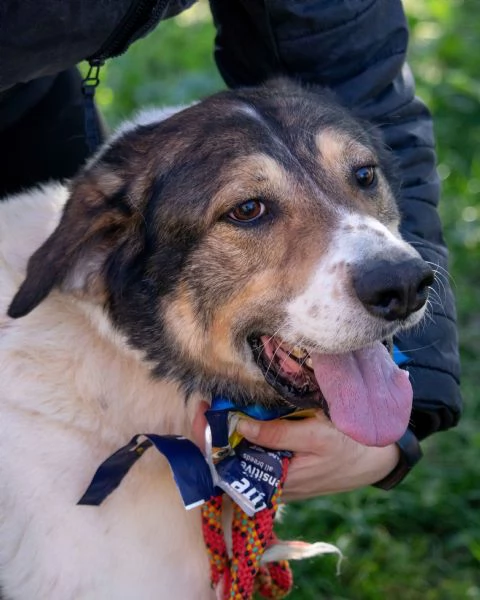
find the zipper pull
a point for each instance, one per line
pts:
(89, 86)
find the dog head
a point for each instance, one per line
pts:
(247, 245)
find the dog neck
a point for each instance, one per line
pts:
(92, 367)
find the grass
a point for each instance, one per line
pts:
(422, 540)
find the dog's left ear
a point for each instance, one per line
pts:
(97, 219)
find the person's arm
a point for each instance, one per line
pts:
(358, 49)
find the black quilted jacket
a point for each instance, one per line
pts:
(356, 47)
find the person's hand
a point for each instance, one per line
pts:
(326, 461)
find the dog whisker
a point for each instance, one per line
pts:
(265, 343)
(436, 301)
(281, 341)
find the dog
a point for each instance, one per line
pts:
(247, 245)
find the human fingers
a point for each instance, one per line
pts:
(346, 466)
(300, 436)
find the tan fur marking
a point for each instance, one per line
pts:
(339, 155)
(246, 177)
(337, 150)
(107, 182)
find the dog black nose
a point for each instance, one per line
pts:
(393, 290)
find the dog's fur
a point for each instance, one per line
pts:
(137, 303)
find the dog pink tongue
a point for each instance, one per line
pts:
(369, 398)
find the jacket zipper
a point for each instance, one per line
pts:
(141, 15)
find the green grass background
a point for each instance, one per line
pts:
(422, 540)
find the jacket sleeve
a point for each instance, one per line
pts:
(358, 48)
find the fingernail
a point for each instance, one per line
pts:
(250, 429)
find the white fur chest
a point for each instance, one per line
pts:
(139, 543)
(71, 393)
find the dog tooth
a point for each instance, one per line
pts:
(298, 352)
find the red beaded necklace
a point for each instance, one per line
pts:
(239, 576)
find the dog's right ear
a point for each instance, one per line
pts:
(97, 218)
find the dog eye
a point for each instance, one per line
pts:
(248, 211)
(365, 176)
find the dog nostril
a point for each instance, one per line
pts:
(428, 279)
(421, 293)
(384, 299)
(391, 304)
(393, 291)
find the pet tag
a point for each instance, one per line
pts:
(248, 473)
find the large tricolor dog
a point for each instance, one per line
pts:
(246, 246)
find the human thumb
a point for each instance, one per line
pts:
(270, 434)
